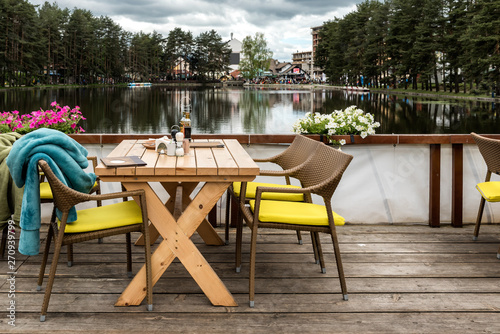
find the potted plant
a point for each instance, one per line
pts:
(351, 121)
(64, 119)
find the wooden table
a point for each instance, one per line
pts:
(177, 219)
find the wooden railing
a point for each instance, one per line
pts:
(434, 142)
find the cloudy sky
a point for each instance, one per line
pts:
(286, 24)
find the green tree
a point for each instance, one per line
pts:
(52, 20)
(483, 36)
(375, 56)
(211, 55)
(79, 45)
(428, 42)
(256, 56)
(330, 52)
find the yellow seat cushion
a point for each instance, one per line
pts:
(46, 192)
(295, 213)
(490, 191)
(252, 190)
(105, 217)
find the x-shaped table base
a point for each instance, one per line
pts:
(177, 243)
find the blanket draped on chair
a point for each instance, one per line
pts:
(66, 157)
(10, 205)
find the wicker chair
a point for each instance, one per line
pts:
(47, 197)
(490, 190)
(301, 149)
(120, 218)
(319, 175)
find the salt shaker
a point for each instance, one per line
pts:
(179, 151)
(179, 137)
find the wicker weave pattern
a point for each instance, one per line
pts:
(318, 175)
(298, 152)
(64, 199)
(490, 150)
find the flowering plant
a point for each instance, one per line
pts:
(59, 118)
(351, 121)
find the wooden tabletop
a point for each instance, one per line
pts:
(227, 163)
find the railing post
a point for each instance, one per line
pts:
(457, 185)
(434, 185)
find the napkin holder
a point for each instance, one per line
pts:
(165, 146)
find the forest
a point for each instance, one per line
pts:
(437, 45)
(51, 45)
(451, 45)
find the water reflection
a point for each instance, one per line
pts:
(232, 110)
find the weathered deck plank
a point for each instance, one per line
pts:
(408, 278)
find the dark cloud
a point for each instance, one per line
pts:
(285, 23)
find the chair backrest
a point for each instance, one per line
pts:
(64, 197)
(324, 171)
(490, 150)
(297, 153)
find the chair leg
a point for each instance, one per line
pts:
(478, 219)
(48, 240)
(320, 252)
(340, 268)
(52, 274)
(69, 249)
(129, 254)
(149, 274)
(253, 252)
(315, 248)
(239, 241)
(228, 209)
(299, 238)
(4, 239)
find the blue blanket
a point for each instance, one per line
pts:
(67, 159)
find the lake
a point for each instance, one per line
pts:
(153, 110)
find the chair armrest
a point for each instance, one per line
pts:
(122, 194)
(260, 190)
(269, 159)
(285, 172)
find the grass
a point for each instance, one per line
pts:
(441, 93)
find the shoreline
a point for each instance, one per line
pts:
(381, 90)
(291, 86)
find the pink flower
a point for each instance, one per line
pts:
(53, 104)
(73, 126)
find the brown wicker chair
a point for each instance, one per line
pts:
(319, 175)
(120, 218)
(301, 149)
(490, 190)
(47, 197)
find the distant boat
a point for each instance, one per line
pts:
(139, 84)
(357, 88)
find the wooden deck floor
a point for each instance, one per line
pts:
(401, 279)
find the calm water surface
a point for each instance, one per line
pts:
(153, 110)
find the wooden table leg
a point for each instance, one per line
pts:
(206, 231)
(176, 243)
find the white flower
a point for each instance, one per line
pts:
(342, 142)
(349, 121)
